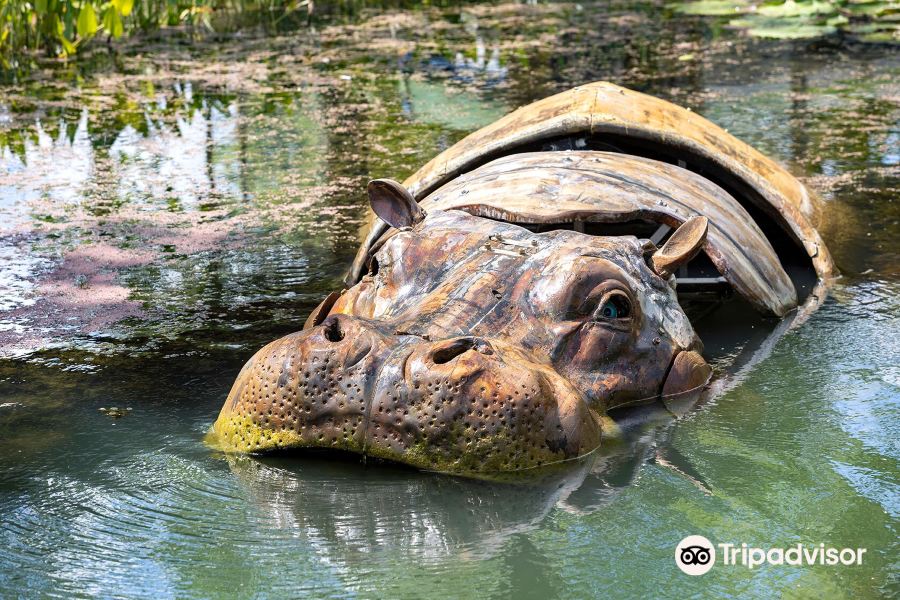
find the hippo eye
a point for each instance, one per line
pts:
(615, 305)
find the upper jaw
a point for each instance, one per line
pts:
(483, 411)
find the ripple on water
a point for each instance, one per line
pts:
(244, 192)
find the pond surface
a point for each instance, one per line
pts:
(167, 209)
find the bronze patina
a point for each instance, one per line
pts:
(528, 280)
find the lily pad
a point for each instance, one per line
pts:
(792, 32)
(783, 29)
(866, 20)
(712, 8)
(797, 9)
(883, 32)
(875, 9)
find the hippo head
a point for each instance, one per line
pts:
(474, 346)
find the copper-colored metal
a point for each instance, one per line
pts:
(393, 203)
(604, 187)
(687, 376)
(478, 347)
(321, 311)
(471, 344)
(606, 113)
(684, 245)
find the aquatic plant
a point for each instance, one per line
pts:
(61, 27)
(867, 20)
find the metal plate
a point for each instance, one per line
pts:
(604, 109)
(561, 187)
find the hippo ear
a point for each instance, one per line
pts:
(681, 247)
(393, 203)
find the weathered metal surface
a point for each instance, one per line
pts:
(687, 241)
(477, 347)
(560, 187)
(393, 203)
(604, 111)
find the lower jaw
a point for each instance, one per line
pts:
(500, 456)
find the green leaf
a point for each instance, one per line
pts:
(112, 22)
(69, 18)
(124, 6)
(87, 21)
(40, 6)
(68, 47)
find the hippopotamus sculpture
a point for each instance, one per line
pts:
(545, 270)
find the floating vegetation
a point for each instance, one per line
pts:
(870, 21)
(712, 8)
(115, 412)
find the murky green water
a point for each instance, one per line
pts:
(163, 213)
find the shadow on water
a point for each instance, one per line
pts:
(168, 209)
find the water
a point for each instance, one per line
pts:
(166, 211)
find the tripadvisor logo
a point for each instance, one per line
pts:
(695, 555)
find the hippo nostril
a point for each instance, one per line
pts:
(333, 332)
(452, 350)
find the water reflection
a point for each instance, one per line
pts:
(176, 162)
(467, 68)
(431, 518)
(177, 148)
(55, 170)
(243, 203)
(348, 511)
(432, 103)
(149, 210)
(18, 269)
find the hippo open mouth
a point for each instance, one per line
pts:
(491, 333)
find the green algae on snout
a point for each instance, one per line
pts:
(499, 456)
(240, 434)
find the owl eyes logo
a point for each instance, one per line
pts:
(695, 555)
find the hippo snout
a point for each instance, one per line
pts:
(307, 389)
(466, 405)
